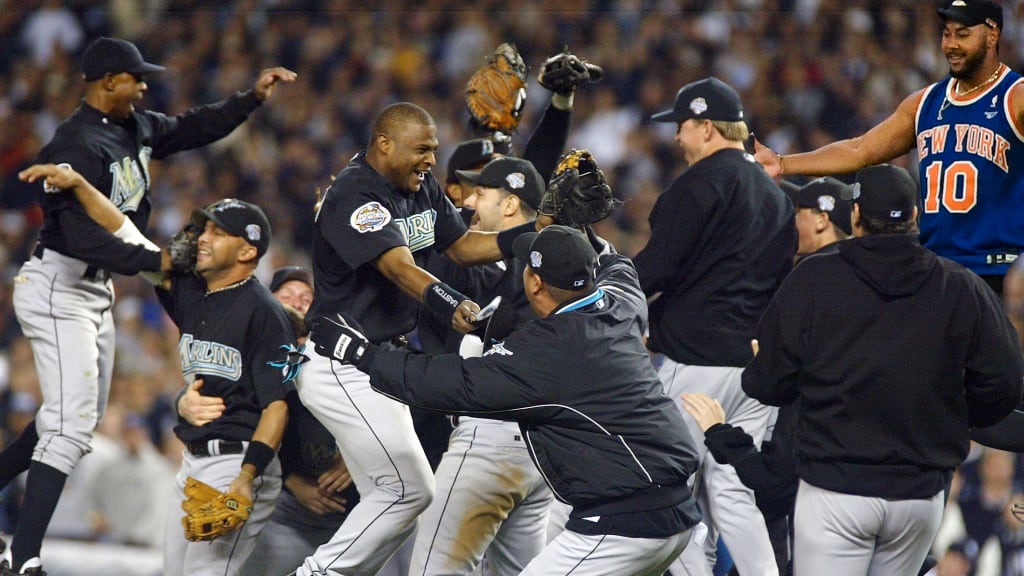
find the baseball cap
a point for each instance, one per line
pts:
(515, 175)
(707, 99)
(562, 256)
(884, 192)
(973, 12)
(113, 56)
(826, 194)
(289, 273)
(472, 153)
(239, 218)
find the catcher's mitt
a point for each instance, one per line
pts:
(183, 249)
(578, 194)
(496, 92)
(562, 73)
(210, 513)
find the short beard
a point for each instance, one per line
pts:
(970, 67)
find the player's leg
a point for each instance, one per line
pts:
(292, 533)
(606, 555)
(523, 534)
(729, 506)
(382, 452)
(226, 555)
(834, 533)
(63, 317)
(906, 535)
(469, 504)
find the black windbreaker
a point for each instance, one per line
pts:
(581, 385)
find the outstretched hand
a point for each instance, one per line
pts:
(704, 409)
(56, 177)
(269, 78)
(770, 159)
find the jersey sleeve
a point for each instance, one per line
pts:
(270, 336)
(200, 125)
(100, 248)
(358, 225)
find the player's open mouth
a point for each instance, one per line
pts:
(421, 175)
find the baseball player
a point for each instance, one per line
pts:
(232, 334)
(589, 405)
(373, 228)
(722, 239)
(489, 497)
(63, 296)
(317, 489)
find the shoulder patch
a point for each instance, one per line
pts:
(370, 217)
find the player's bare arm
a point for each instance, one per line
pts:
(62, 177)
(398, 266)
(1017, 105)
(890, 139)
(269, 431)
(269, 78)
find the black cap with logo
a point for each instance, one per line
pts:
(825, 194)
(707, 99)
(515, 175)
(114, 56)
(973, 12)
(885, 192)
(238, 218)
(562, 256)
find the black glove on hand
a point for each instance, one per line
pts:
(562, 73)
(338, 338)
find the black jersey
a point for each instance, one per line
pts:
(361, 217)
(229, 338)
(113, 155)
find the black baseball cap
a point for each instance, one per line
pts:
(113, 56)
(472, 153)
(826, 194)
(884, 192)
(973, 12)
(239, 218)
(515, 175)
(289, 273)
(562, 256)
(707, 99)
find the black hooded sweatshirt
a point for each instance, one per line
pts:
(894, 354)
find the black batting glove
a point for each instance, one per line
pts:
(338, 338)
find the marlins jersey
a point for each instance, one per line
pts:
(113, 155)
(229, 338)
(361, 217)
(971, 152)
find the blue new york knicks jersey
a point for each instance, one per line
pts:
(972, 175)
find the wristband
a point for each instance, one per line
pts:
(782, 169)
(507, 237)
(259, 455)
(442, 300)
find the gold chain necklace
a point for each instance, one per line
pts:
(990, 78)
(229, 286)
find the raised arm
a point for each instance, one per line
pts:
(890, 139)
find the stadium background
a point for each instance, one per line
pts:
(809, 72)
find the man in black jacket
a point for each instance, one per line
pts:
(589, 405)
(894, 353)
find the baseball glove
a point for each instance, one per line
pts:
(496, 92)
(210, 513)
(578, 194)
(183, 249)
(562, 73)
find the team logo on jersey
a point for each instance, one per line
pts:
(204, 357)
(699, 105)
(992, 114)
(130, 178)
(370, 217)
(499, 348)
(418, 229)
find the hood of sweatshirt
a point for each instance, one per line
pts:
(894, 265)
